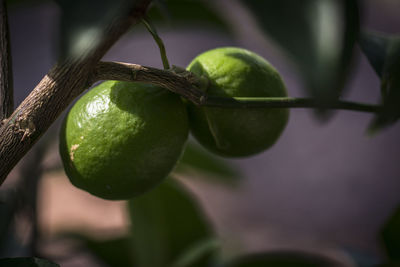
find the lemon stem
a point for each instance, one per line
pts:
(286, 102)
(153, 32)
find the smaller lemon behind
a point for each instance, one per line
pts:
(237, 132)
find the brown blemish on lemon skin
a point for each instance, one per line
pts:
(71, 153)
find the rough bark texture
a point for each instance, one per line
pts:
(6, 87)
(178, 81)
(56, 91)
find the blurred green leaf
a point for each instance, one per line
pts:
(383, 52)
(282, 259)
(198, 159)
(194, 256)
(166, 222)
(319, 35)
(83, 22)
(114, 252)
(26, 262)
(391, 235)
(375, 47)
(186, 12)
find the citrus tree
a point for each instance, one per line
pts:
(123, 137)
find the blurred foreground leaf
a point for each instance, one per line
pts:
(319, 35)
(194, 256)
(383, 52)
(113, 251)
(166, 223)
(186, 12)
(282, 259)
(375, 47)
(391, 235)
(83, 22)
(26, 262)
(198, 159)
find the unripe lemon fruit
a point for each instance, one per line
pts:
(237, 132)
(121, 139)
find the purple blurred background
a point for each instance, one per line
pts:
(320, 186)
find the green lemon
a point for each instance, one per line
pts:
(237, 132)
(121, 139)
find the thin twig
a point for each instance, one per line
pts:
(6, 80)
(158, 40)
(286, 102)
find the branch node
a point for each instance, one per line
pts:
(25, 126)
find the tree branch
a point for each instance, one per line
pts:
(6, 82)
(181, 82)
(152, 30)
(56, 91)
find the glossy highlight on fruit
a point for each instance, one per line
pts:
(121, 139)
(237, 132)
